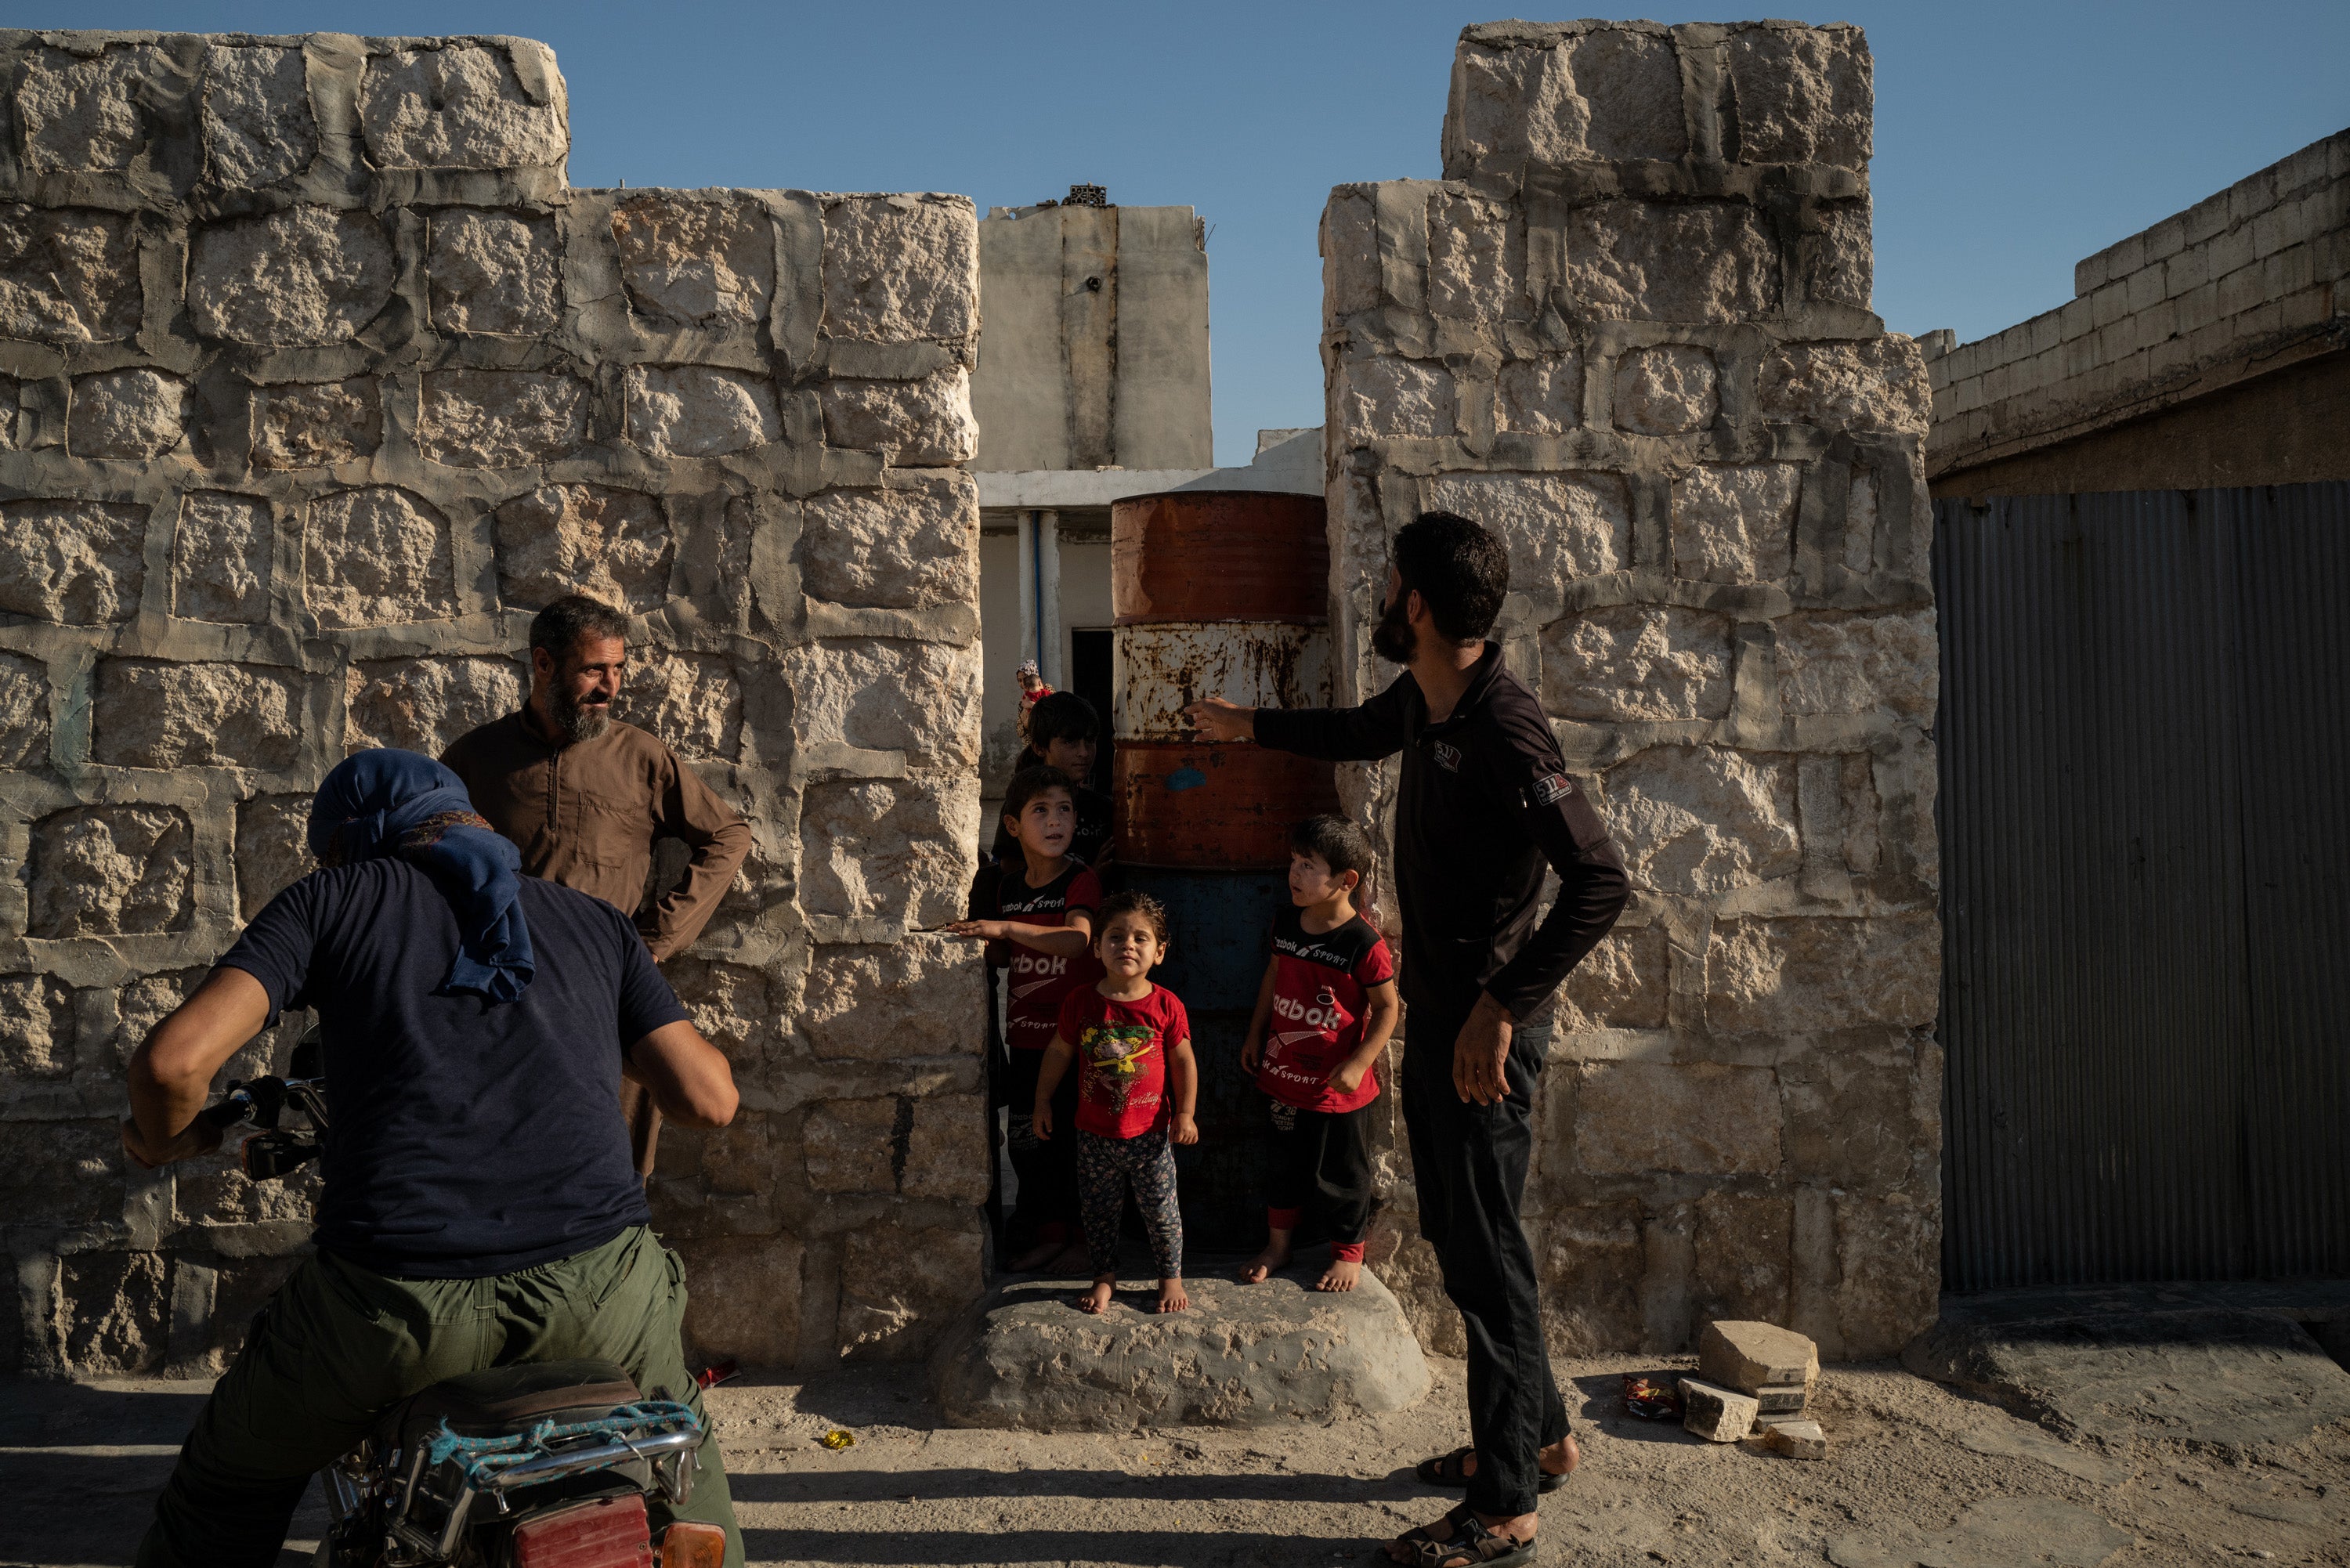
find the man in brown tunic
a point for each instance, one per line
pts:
(585, 795)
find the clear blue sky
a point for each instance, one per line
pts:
(2011, 139)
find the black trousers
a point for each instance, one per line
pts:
(1048, 1167)
(1469, 1162)
(1320, 1162)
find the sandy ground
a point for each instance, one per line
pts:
(1918, 1475)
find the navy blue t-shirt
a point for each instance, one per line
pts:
(466, 1138)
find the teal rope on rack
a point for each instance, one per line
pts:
(483, 1458)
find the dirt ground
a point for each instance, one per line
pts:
(1917, 1475)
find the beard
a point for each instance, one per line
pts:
(578, 721)
(1393, 638)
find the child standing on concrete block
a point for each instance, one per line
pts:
(1324, 1015)
(1131, 1043)
(1042, 932)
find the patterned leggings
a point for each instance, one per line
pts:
(1107, 1169)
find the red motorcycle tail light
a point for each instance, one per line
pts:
(694, 1546)
(603, 1532)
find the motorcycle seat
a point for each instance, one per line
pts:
(510, 1399)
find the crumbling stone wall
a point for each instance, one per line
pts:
(1630, 331)
(315, 380)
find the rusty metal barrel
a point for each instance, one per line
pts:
(1216, 594)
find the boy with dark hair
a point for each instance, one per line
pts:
(1323, 1018)
(1041, 930)
(1065, 732)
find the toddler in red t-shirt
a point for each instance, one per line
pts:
(1136, 1082)
(1323, 1018)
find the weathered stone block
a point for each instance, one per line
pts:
(900, 268)
(152, 713)
(1350, 254)
(24, 712)
(1835, 258)
(1716, 1414)
(1796, 1439)
(743, 1297)
(305, 277)
(898, 1289)
(1557, 526)
(914, 424)
(453, 105)
(700, 410)
(690, 261)
(1801, 976)
(921, 698)
(884, 849)
(1638, 661)
(1621, 984)
(424, 704)
(77, 562)
(1750, 1355)
(1592, 1262)
(1735, 523)
(1889, 1270)
(610, 545)
(110, 870)
(1476, 260)
(116, 1308)
(258, 129)
(494, 273)
(851, 1146)
(65, 1173)
(920, 996)
(216, 1191)
(946, 1152)
(68, 274)
(732, 1004)
(1701, 1118)
(1668, 390)
(1849, 1114)
(377, 555)
(1542, 397)
(273, 848)
(147, 1002)
(1879, 385)
(1885, 665)
(130, 414)
(689, 700)
(1609, 94)
(1384, 396)
(36, 1027)
(1804, 95)
(914, 545)
(1745, 1250)
(501, 419)
(1781, 1400)
(315, 424)
(1701, 260)
(1704, 819)
(81, 111)
(221, 555)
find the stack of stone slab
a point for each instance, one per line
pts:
(1754, 1379)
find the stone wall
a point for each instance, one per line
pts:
(1630, 331)
(315, 380)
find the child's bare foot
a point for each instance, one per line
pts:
(1275, 1255)
(1340, 1275)
(1173, 1296)
(1096, 1300)
(1038, 1256)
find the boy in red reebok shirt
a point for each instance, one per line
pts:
(1042, 934)
(1131, 1042)
(1323, 1018)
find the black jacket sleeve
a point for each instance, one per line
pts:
(1380, 728)
(1593, 888)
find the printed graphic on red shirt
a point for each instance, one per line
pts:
(1122, 1050)
(1321, 985)
(1039, 982)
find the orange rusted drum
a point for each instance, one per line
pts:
(1218, 555)
(1190, 806)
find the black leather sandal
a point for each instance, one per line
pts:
(1445, 1470)
(1471, 1544)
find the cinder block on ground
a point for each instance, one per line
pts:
(1749, 1356)
(1796, 1439)
(1718, 1415)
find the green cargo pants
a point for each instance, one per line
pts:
(337, 1343)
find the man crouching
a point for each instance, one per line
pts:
(480, 1205)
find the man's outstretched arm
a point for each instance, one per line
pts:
(1361, 734)
(171, 1072)
(689, 1076)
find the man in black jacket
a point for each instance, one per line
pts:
(1486, 803)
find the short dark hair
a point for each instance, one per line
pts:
(1062, 716)
(1029, 783)
(1132, 903)
(1459, 568)
(1335, 842)
(559, 627)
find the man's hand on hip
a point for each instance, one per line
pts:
(1481, 1054)
(1217, 720)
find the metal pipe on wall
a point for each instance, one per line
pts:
(1028, 587)
(1049, 659)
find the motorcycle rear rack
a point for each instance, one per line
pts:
(669, 1459)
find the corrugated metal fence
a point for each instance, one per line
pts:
(2145, 815)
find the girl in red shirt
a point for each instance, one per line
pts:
(1136, 1084)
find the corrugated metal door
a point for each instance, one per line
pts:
(2145, 814)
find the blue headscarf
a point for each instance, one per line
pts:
(397, 802)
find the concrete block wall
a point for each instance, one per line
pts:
(315, 380)
(2233, 285)
(1630, 331)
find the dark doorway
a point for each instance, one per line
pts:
(1089, 678)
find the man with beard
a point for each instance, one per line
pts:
(584, 796)
(1485, 805)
